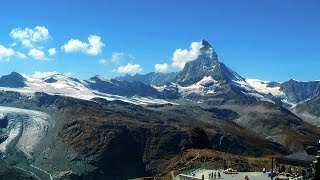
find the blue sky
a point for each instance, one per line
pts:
(271, 40)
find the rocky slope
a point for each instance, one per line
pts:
(297, 92)
(311, 106)
(107, 139)
(309, 110)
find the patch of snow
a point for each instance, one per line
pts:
(210, 52)
(262, 87)
(285, 100)
(194, 88)
(200, 87)
(160, 88)
(206, 80)
(244, 85)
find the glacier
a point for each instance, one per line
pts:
(25, 129)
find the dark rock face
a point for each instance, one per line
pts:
(50, 80)
(311, 106)
(171, 92)
(9, 96)
(13, 80)
(3, 137)
(198, 139)
(151, 78)
(297, 92)
(122, 88)
(226, 114)
(3, 121)
(228, 143)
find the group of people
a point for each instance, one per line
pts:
(213, 175)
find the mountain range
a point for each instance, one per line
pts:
(142, 125)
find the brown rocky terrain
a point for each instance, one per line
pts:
(116, 140)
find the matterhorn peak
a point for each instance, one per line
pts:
(205, 43)
(206, 65)
(207, 50)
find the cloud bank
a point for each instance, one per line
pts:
(5, 53)
(182, 56)
(92, 47)
(162, 68)
(29, 37)
(36, 54)
(129, 69)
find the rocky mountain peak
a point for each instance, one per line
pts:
(205, 43)
(207, 54)
(207, 64)
(13, 80)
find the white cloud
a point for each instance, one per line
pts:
(6, 53)
(13, 44)
(92, 47)
(182, 56)
(102, 61)
(29, 36)
(162, 68)
(36, 54)
(116, 56)
(41, 75)
(52, 51)
(129, 69)
(20, 55)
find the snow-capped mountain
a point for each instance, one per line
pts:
(290, 92)
(96, 87)
(265, 87)
(123, 88)
(152, 78)
(205, 78)
(207, 65)
(298, 91)
(207, 105)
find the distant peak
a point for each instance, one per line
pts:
(15, 74)
(102, 78)
(293, 80)
(207, 50)
(205, 43)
